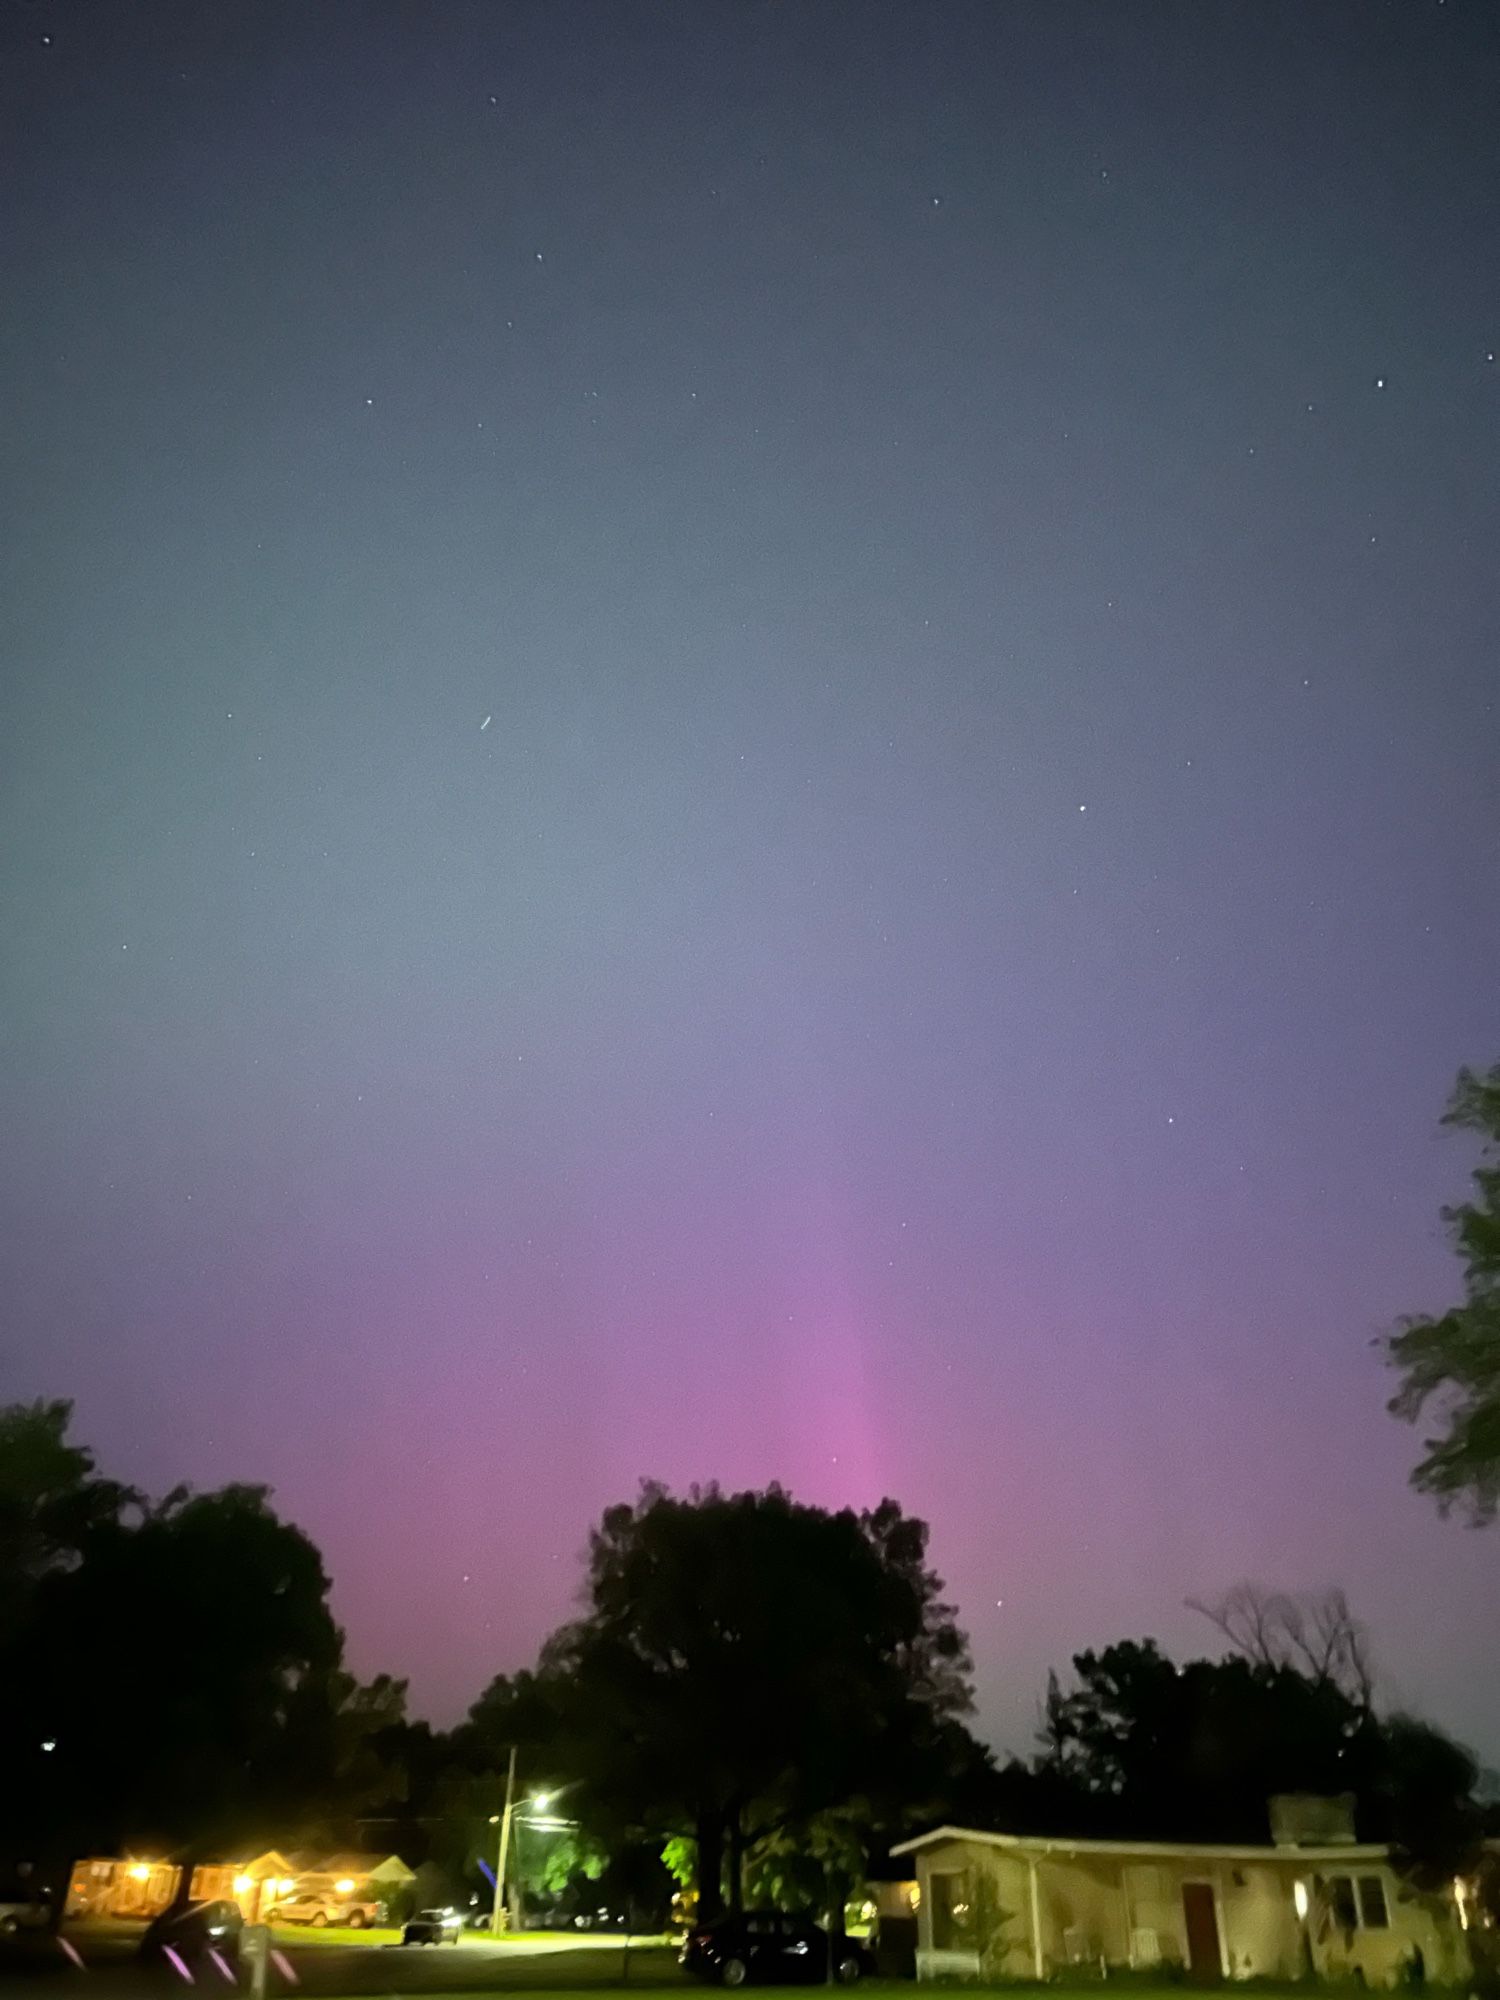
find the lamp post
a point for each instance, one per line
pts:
(497, 1914)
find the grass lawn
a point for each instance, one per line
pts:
(568, 1981)
(283, 1935)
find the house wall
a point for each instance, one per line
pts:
(980, 1880)
(105, 1886)
(1084, 1914)
(1380, 1956)
(1124, 1910)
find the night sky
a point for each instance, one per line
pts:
(754, 741)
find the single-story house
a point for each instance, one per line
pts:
(106, 1886)
(1012, 1906)
(351, 1876)
(254, 1885)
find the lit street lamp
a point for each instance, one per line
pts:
(538, 1802)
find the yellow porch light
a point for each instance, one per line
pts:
(344, 1888)
(1299, 1897)
(243, 1884)
(139, 1872)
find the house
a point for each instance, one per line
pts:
(352, 1877)
(106, 1886)
(1012, 1906)
(255, 1885)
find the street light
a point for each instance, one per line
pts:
(539, 1802)
(497, 1912)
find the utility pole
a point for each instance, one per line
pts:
(497, 1915)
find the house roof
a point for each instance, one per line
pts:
(387, 1866)
(1146, 1850)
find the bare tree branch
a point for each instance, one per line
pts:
(1316, 1635)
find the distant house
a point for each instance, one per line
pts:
(113, 1887)
(107, 1886)
(1008, 1906)
(352, 1876)
(254, 1884)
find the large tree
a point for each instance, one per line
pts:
(745, 1663)
(1192, 1751)
(52, 1501)
(1449, 1363)
(169, 1672)
(1141, 1747)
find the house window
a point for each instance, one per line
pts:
(1374, 1911)
(1341, 1904)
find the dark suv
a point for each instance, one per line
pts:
(195, 1931)
(771, 1949)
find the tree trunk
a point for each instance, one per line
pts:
(835, 1895)
(710, 1866)
(736, 1861)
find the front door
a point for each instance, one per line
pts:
(1201, 1918)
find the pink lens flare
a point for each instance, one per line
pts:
(71, 1951)
(223, 1964)
(284, 1966)
(177, 1962)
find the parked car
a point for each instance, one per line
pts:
(200, 1928)
(322, 1910)
(767, 1948)
(432, 1927)
(22, 1913)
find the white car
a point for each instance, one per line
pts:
(320, 1911)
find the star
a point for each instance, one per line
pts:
(1379, 381)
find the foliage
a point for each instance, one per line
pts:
(170, 1672)
(815, 1865)
(1140, 1747)
(679, 1856)
(1420, 1798)
(51, 1503)
(1450, 1364)
(743, 1663)
(986, 1922)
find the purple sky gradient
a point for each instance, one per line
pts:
(940, 973)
